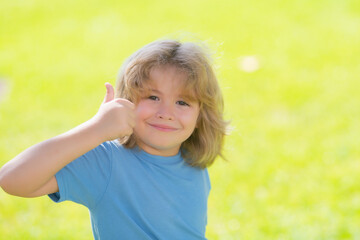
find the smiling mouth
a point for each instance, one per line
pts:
(163, 128)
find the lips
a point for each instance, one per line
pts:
(162, 127)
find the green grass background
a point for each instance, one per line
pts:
(294, 158)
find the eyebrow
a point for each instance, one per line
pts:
(155, 90)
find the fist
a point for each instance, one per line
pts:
(116, 116)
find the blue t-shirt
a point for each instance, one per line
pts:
(135, 195)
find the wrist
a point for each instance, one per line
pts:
(93, 130)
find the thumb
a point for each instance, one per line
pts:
(109, 93)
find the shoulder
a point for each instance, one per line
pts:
(111, 148)
(117, 153)
(207, 179)
(102, 155)
(114, 147)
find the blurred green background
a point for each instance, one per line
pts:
(289, 71)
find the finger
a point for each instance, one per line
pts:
(109, 93)
(132, 116)
(132, 105)
(125, 102)
(131, 122)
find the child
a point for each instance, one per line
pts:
(139, 165)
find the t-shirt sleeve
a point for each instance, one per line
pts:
(85, 179)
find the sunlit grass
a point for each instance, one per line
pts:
(294, 154)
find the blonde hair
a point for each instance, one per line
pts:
(206, 142)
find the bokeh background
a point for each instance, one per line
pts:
(289, 71)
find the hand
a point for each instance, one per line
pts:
(116, 116)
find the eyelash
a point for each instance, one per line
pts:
(181, 103)
(155, 98)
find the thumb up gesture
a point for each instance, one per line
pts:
(115, 117)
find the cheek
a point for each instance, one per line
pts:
(190, 119)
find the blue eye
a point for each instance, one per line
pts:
(182, 103)
(155, 98)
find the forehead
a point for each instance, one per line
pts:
(167, 75)
(170, 79)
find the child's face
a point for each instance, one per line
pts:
(164, 118)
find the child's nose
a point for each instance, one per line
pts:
(165, 112)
